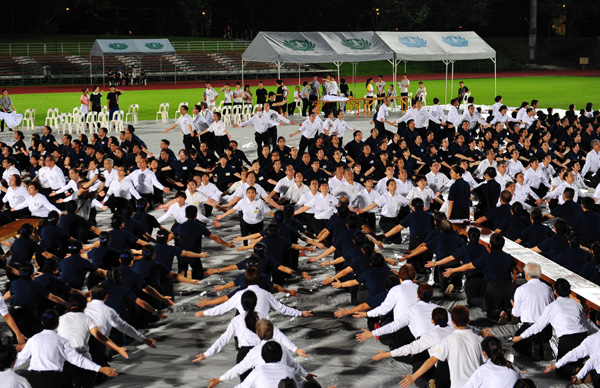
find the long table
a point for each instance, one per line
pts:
(587, 292)
(12, 229)
(355, 104)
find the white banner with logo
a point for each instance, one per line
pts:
(112, 47)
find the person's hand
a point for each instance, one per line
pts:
(486, 333)
(202, 302)
(210, 271)
(167, 300)
(213, 382)
(161, 314)
(165, 131)
(341, 312)
(381, 355)
(305, 275)
(110, 372)
(229, 244)
(199, 358)
(235, 125)
(359, 211)
(302, 353)
(573, 381)
(327, 280)
(379, 244)
(123, 352)
(238, 238)
(219, 288)
(430, 264)
(325, 263)
(199, 314)
(204, 255)
(307, 314)
(52, 194)
(549, 368)
(515, 339)
(311, 249)
(365, 335)
(219, 218)
(280, 124)
(320, 245)
(291, 135)
(166, 190)
(359, 315)
(21, 339)
(293, 293)
(448, 272)
(150, 342)
(313, 260)
(179, 184)
(337, 284)
(216, 223)
(407, 382)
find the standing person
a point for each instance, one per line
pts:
(404, 84)
(219, 132)
(459, 196)
(344, 92)
(143, 78)
(95, 100)
(133, 75)
(270, 114)
(462, 90)
(238, 95)
(369, 86)
(380, 87)
(310, 128)
(85, 103)
(253, 210)
(7, 106)
(297, 99)
(247, 95)
(190, 139)
(304, 94)
(113, 101)
(210, 96)
(261, 94)
(314, 93)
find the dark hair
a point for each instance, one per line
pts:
(492, 347)
(126, 257)
(75, 247)
(287, 383)
(99, 292)
(260, 249)
(8, 356)
(26, 270)
(496, 242)
(460, 315)
(440, 316)
(26, 230)
(116, 222)
(77, 303)
(418, 204)
(252, 276)
(523, 383)
(561, 226)
(104, 238)
(474, 235)
(49, 319)
(407, 272)
(569, 193)
(191, 212)
(148, 252)
(377, 260)
(562, 287)
(425, 292)
(249, 300)
(271, 352)
(587, 203)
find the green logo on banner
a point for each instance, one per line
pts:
(118, 46)
(154, 46)
(299, 45)
(357, 44)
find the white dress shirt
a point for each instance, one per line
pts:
(211, 191)
(436, 182)
(3, 308)
(211, 96)
(560, 189)
(592, 363)
(365, 198)
(506, 118)
(185, 123)
(381, 186)
(294, 193)
(106, 318)
(48, 352)
(254, 359)
(218, 128)
(535, 178)
(306, 198)
(12, 380)
(420, 116)
(38, 205)
(52, 178)
(311, 129)
(462, 349)
(512, 167)
(590, 345)
(14, 197)
(404, 187)
(566, 317)
(483, 165)
(490, 375)
(592, 163)
(199, 123)
(266, 301)
(75, 327)
(417, 318)
(473, 119)
(261, 123)
(12, 170)
(178, 214)
(531, 299)
(437, 112)
(399, 298)
(241, 191)
(391, 205)
(268, 376)
(253, 212)
(109, 176)
(454, 117)
(383, 113)
(71, 185)
(284, 184)
(340, 127)
(348, 190)
(122, 189)
(428, 341)
(502, 179)
(245, 337)
(427, 195)
(324, 206)
(273, 115)
(334, 182)
(145, 181)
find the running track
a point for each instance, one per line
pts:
(292, 81)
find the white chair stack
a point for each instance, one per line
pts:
(52, 117)
(465, 102)
(163, 112)
(102, 120)
(226, 115)
(247, 112)
(236, 114)
(78, 122)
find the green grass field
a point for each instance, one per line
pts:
(557, 92)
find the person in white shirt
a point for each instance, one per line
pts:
(8, 164)
(285, 183)
(51, 177)
(185, 121)
(340, 126)
(421, 93)
(569, 322)
(48, 352)
(227, 95)
(221, 136)
(272, 372)
(436, 180)
(348, 188)
(381, 186)
(15, 195)
(210, 96)
(423, 192)
(473, 117)
(462, 349)
(592, 164)
(383, 113)
(497, 371)
(37, 203)
(272, 115)
(528, 118)
(502, 117)
(253, 211)
(404, 84)
(8, 357)
(437, 111)
(294, 193)
(502, 176)
(177, 210)
(514, 165)
(310, 128)
(144, 181)
(530, 300)
(324, 205)
(261, 124)
(454, 118)
(240, 192)
(10, 321)
(535, 178)
(120, 192)
(420, 116)
(380, 84)
(365, 197)
(559, 190)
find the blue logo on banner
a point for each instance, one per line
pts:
(412, 41)
(456, 41)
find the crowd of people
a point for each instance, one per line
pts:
(77, 287)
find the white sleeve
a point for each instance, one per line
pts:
(283, 340)
(222, 308)
(398, 323)
(77, 359)
(124, 327)
(249, 362)
(283, 309)
(540, 324)
(425, 342)
(384, 308)
(222, 341)
(166, 216)
(134, 193)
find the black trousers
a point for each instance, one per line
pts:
(540, 191)
(459, 213)
(417, 261)
(80, 378)
(261, 139)
(273, 135)
(369, 220)
(242, 352)
(310, 103)
(388, 223)
(45, 379)
(566, 343)
(532, 346)
(305, 105)
(319, 225)
(27, 320)
(190, 142)
(116, 204)
(195, 263)
(222, 142)
(498, 296)
(247, 229)
(475, 287)
(305, 143)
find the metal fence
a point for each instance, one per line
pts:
(83, 48)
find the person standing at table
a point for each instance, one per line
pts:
(314, 92)
(380, 84)
(404, 84)
(459, 196)
(7, 106)
(210, 96)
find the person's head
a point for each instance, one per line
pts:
(460, 316)
(575, 239)
(568, 194)
(8, 356)
(496, 242)
(474, 235)
(562, 288)
(77, 303)
(532, 271)
(50, 319)
(26, 230)
(252, 276)
(491, 348)
(587, 203)
(524, 383)
(249, 300)
(288, 382)
(407, 272)
(264, 329)
(439, 317)
(446, 227)
(505, 197)
(191, 212)
(425, 292)
(418, 204)
(271, 352)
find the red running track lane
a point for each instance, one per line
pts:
(38, 89)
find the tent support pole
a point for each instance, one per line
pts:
(278, 64)
(446, 62)
(338, 64)
(91, 79)
(103, 72)
(243, 73)
(405, 62)
(354, 65)
(495, 91)
(393, 63)
(299, 69)
(452, 83)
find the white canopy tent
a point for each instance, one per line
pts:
(130, 47)
(447, 47)
(316, 47)
(354, 47)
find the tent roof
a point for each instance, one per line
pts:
(433, 46)
(113, 47)
(312, 47)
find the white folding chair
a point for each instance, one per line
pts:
(102, 121)
(256, 108)
(236, 114)
(76, 110)
(29, 119)
(163, 111)
(104, 108)
(247, 112)
(91, 121)
(66, 123)
(179, 109)
(118, 120)
(52, 117)
(132, 114)
(226, 115)
(78, 122)
(424, 98)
